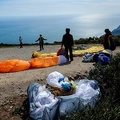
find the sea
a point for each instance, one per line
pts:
(53, 27)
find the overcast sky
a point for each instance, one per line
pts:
(92, 16)
(84, 8)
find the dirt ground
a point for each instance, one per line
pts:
(13, 86)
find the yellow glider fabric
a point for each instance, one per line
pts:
(37, 54)
(89, 50)
(13, 65)
(41, 62)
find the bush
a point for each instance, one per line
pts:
(108, 108)
(108, 77)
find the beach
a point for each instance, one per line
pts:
(14, 84)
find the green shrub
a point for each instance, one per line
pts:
(108, 77)
(108, 108)
(102, 111)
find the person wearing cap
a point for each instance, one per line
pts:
(41, 42)
(68, 42)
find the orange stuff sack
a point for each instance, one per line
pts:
(42, 62)
(14, 65)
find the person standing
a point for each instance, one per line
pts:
(20, 40)
(68, 42)
(41, 42)
(108, 41)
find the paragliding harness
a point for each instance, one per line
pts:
(111, 43)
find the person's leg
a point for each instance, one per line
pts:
(66, 53)
(71, 54)
(40, 47)
(20, 45)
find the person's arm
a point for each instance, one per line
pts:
(37, 40)
(62, 42)
(72, 40)
(44, 39)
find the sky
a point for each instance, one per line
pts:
(87, 12)
(85, 8)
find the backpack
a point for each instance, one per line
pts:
(103, 59)
(112, 43)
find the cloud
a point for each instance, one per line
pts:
(58, 7)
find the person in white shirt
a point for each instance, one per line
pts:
(21, 43)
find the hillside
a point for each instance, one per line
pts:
(116, 31)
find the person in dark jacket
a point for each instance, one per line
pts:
(106, 39)
(68, 42)
(41, 42)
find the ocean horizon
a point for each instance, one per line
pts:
(53, 27)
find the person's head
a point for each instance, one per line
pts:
(67, 30)
(107, 31)
(40, 35)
